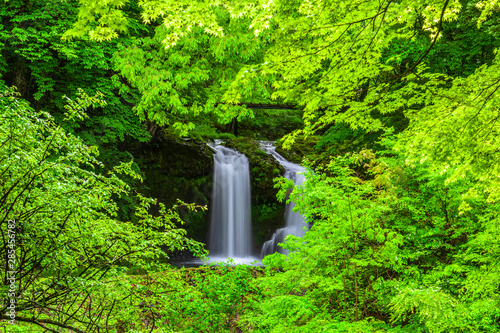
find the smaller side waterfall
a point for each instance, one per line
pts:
(294, 221)
(230, 231)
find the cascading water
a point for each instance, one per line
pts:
(294, 221)
(230, 231)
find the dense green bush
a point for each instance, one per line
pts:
(70, 250)
(393, 248)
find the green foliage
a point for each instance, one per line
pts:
(207, 299)
(464, 137)
(346, 249)
(340, 138)
(302, 147)
(389, 242)
(44, 69)
(222, 290)
(437, 310)
(267, 211)
(271, 124)
(68, 241)
(404, 238)
(183, 81)
(342, 62)
(110, 22)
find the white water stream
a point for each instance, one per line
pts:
(231, 229)
(294, 221)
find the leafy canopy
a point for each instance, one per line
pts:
(339, 60)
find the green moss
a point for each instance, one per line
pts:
(225, 136)
(205, 132)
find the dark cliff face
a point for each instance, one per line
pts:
(175, 168)
(178, 157)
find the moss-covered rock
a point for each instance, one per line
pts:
(263, 167)
(182, 157)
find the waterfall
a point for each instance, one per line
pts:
(294, 221)
(230, 231)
